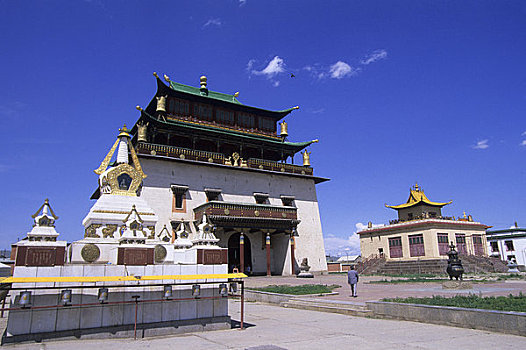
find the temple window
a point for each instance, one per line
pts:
(509, 246)
(224, 117)
(212, 194)
(443, 243)
(494, 247)
(203, 111)
(267, 124)
(416, 245)
(246, 120)
(395, 247)
(178, 107)
(261, 198)
(179, 198)
(288, 201)
(124, 181)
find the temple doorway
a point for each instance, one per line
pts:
(234, 256)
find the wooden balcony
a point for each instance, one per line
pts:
(219, 158)
(257, 216)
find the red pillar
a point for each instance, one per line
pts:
(242, 253)
(267, 241)
(292, 259)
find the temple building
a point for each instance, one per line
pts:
(422, 232)
(213, 161)
(509, 245)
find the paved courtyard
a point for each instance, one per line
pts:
(367, 291)
(273, 328)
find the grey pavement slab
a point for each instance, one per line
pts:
(274, 328)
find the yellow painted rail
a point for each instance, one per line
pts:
(93, 279)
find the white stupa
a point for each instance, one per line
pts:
(120, 217)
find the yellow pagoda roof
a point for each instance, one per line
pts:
(417, 196)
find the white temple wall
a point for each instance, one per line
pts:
(237, 185)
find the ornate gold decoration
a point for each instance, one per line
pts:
(91, 231)
(167, 78)
(109, 231)
(90, 253)
(161, 103)
(124, 169)
(106, 161)
(46, 202)
(159, 253)
(282, 170)
(236, 94)
(210, 160)
(284, 129)
(227, 212)
(284, 215)
(181, 156)
(256, 212)
(261, 167)
(202, 80)
(142, 132)
(153, 152)
(306, 158)
(152, 232)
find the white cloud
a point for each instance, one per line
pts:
(274, 67)
(275, 83)
(375, 56)
(250, 65)
(335, 245)
(242, 2)
(523, 133)
(340, 70)
(213, 22)
(482, 144)
(523, 143)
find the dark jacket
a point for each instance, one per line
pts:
(352, 277)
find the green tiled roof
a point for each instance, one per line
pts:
(197, 91)
(219, 96)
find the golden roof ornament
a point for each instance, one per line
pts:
(167, 78)
(142, 132)
(203, 81)
(306, 158)
(155, 75)
(236, 94)
(284, 132)
(161, 103)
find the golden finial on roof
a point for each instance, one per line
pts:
(139, 108)
(167, 78)
(203, 81)
(284, 132)
(236, 94)
(315, 141)
(155, 75)
(417, 188)
(464, 214)
(296, 107)
(124, 132)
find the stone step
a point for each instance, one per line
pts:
(336, 307)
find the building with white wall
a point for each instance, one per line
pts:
(210, 158)
(508, 244)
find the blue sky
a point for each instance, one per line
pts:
(397, 92)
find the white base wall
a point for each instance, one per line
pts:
(70, 318)
(238, 185)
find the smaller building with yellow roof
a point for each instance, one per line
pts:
(422, 232)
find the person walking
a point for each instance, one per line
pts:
(352, 279)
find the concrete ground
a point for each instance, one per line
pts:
(273, 328)
(368, 292)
